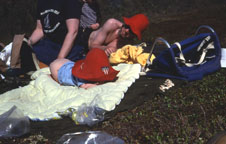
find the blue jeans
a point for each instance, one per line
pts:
(47, 51)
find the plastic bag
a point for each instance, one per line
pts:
(90, 137)
(89, 115)
(5, 54)
(13, 123)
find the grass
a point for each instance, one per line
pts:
(192, 113)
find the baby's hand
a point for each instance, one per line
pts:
(95, 26)
(88, 85)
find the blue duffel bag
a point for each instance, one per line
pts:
(190, 59)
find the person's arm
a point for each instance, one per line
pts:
(37, 34)
(72, 26)
(100, 39)
(112, 47)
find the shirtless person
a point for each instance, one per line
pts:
(114, 34)
(108, 38)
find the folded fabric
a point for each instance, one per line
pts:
(130, 54)
(43, 98)
(223, 57)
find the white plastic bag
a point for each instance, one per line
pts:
(5, 54)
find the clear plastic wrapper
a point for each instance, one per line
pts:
(90, 137)
(13, 123)
(89, 115)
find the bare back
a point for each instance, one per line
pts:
(107, 36)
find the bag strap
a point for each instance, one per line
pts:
(182, 59)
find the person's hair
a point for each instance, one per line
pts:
(130, 30)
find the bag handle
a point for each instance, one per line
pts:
(201, 60)
(159, 39)
(204, 26)
(182, 59)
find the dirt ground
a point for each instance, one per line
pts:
(172, 28)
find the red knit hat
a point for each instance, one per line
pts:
(95, 67)
(137, 23)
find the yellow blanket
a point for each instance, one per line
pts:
(130, 54)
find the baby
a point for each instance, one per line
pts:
(90, 18)
(89, 72)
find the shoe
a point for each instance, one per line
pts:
(12, 72)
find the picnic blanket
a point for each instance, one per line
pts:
(43, 98)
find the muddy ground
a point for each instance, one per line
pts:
(172, 27)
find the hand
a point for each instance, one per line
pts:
(95, 26)
(88, 85)
(109, 50)
(28, 41)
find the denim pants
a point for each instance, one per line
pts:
(47, 51)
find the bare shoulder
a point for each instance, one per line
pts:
(113, 20)
(113, 23)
